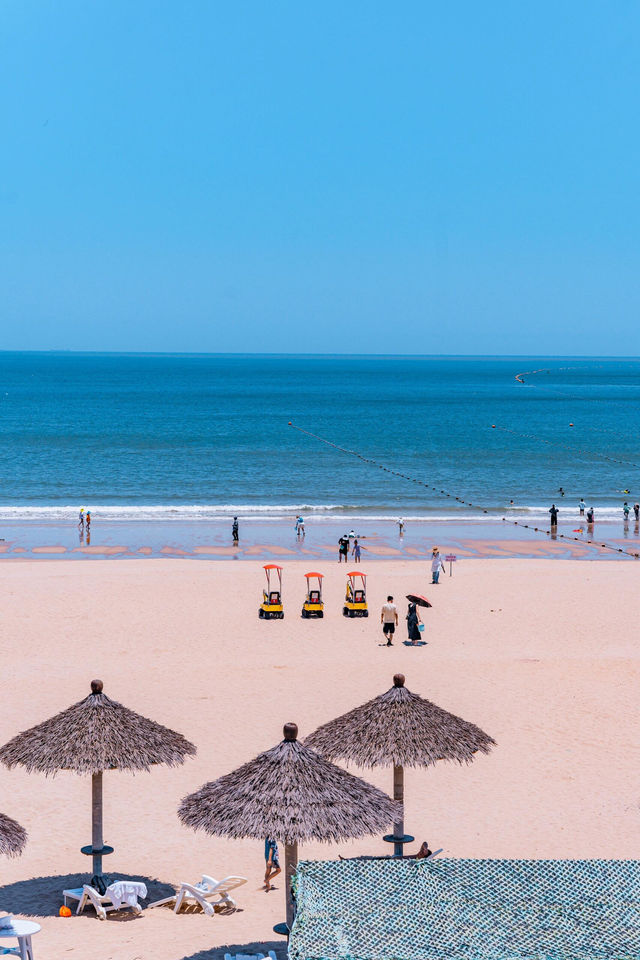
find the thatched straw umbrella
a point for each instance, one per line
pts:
(93, 735)
(13, 837)
(291, 794)
(399, 729)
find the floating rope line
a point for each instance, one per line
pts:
(528, 373)
(444, 493)
(558, 391)
(554, 443)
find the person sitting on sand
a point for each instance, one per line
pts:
(272, 861)
(422, 853)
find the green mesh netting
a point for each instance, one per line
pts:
(467, 909)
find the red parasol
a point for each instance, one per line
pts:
(416, 598)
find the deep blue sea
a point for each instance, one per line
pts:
(202, 436)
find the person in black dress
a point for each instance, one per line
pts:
(413, 619)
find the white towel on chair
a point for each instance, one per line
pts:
(125, 893)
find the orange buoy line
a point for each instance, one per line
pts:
(467, 503)
(564, 446)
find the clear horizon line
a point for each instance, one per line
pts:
(311, 355)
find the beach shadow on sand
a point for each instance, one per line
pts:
(42, 896)
(279, 947)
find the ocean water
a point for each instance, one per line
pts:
(202, 437)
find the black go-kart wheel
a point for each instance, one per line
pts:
(365, 613)
(320, 614)
(345, 612)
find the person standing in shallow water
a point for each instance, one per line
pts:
(355, 553)
(343, 549)
(554, 515)
(235, 531)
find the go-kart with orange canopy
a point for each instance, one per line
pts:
(355, 601)
(313, 605)
(271, 607)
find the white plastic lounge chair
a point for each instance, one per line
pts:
(209, 893)
(251, 956)
(102, 904)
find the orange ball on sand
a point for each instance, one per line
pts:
(64, 912)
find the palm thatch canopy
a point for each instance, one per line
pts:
(93, 735)
(399, 728)
(13, 837)
(289, 793)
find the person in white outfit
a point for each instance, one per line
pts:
(437, 564)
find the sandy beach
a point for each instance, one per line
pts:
(542, 654)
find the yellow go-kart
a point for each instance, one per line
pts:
(355, 602)
(271, 607)
(313, 605)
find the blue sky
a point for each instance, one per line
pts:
(334, 177)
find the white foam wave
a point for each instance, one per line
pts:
(312, 513)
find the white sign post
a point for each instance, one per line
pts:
(451, 559)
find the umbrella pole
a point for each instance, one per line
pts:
(96, 849)
(398, 795)
(96, 822)
(290, 864)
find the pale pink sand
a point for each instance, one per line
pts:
(542, 654)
